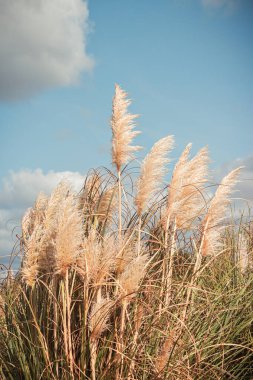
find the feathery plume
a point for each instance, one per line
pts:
(122, 124)
(88, 258)
(32, 236)
(177, 177)
(53, 206)
(152, 171)
(97, 257)
(33, 217)
(134, 272)
(185, 198)
(57, 197)
(27, 224)
(40, 207)
(211, 225)
(30, 268)
(99, 315)
(69, 235)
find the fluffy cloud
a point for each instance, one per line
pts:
(226, 4)
(18, 192)
(42, 45)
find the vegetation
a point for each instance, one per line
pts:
(131, 280)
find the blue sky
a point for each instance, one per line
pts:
(187, 65)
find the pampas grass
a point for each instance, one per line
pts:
(153, 169)
(185, 199)
(131, 279)
(122, 125)
(212, 224)
(69, 236)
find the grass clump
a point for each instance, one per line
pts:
(131, 281)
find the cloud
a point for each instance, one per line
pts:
(228, 5)
(42, 45)
(19, 190)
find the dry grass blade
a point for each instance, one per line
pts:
(107, 204)
(243, 253)
(127, 250)
(165, 352)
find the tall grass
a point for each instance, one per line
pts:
(128, 280)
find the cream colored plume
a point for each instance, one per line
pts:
(211, 225)
(122, 124)
(185, 198)
(99, 315)
(33, 217)
(57, 197)
(96, 259)
(153, 170)
(30, 266)
(68, 236)
(40, 207)
(28, 224)
(47, 257)
(130, 279)
(32, 236)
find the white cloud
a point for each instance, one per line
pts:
(19, 190)
(229, 5)
(42, 45)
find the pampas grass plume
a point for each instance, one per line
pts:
(130, 279)
(152, 171)
(69, 235)
(185, 198)
(122, 124)
(99, 315)
(211, 225)
(96, 259)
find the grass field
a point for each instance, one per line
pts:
(131, 278)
